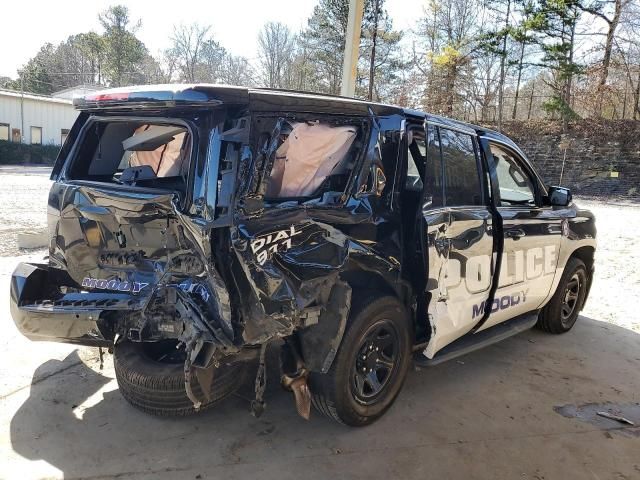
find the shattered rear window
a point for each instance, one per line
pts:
(134, 153)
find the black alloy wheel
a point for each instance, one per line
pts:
(559, 315)
(376, 362)
(570, 298)
(371, 364)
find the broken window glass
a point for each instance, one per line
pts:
(134, 153)
(312, 158)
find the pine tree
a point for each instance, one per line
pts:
(554, 23)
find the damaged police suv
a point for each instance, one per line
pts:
(192, 225)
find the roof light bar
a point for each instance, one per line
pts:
(145, 96)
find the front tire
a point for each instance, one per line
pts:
(151, 378)
(370, 366)
(561, 313)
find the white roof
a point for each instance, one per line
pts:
(78, 90)
(33, 96)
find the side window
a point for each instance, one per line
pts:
(310, 159)
(516, 187)
(434, 194)
(416, 160)
(462, 182)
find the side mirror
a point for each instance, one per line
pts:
(559, 196)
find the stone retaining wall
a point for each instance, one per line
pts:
(600, 158)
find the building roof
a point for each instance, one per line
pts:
(4, 92)
(77, 90)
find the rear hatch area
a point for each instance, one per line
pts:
(125, 254)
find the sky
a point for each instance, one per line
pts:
(25, 25)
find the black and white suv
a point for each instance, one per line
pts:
(192, 225)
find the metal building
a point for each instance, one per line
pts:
(35, 119)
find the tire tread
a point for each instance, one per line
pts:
(158, 389)
(549, 317)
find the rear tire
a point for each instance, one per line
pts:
(156, 386)
(561, 313)
(370, 366)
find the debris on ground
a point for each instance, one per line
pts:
(617, 418)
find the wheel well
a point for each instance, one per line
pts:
(364, 282)
(586, 254)
(367, 281)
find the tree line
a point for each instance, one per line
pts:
(481, 60)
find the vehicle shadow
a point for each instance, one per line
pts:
(77, 421)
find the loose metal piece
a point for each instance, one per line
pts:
(258, 405)
(297, 383)
(617, 418)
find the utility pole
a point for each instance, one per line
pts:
(22, 107)
(352, 48)
(374, 43)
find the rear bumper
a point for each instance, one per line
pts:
(71, 318)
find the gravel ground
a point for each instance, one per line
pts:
(615, 293)
(614, 297)
(23, 204)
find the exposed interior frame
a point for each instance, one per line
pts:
(265, 147)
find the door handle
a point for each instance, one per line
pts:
(515, 234)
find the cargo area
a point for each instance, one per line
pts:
(132, 152)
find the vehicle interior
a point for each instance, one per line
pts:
(516, 187)
(311, 160)
(134, 153)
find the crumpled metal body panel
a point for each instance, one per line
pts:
(295, 265)
(266, 274)
(114, 251)
(300, 263)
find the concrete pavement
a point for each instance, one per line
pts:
(489, 415)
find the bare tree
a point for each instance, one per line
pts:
(188, 42)
(449, 32)
(609, 11)
(628, 48)
(275, 49)
(236, 70)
